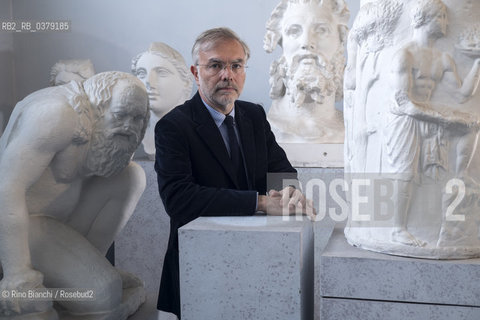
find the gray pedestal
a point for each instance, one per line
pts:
(358, 284)
(241, 268)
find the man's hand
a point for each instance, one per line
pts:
(289, 201)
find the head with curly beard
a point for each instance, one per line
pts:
(312, 34)
(120, 104)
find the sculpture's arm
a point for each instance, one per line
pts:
(402, 85)
(450, 67)
(404, 104)
(350, 81)
(463, 90)
(470, 83)
(17, 175)
(27, 152)
(106, 205)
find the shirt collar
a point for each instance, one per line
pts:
(217, 116)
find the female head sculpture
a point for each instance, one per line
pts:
(163, 71)
(168, 80)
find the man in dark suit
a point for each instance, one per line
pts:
(213, 153)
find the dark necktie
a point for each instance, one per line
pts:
(236, 153)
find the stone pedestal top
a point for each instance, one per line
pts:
(238, 268)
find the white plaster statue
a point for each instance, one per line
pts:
(65, 71)
(169, 83)
(412, 117)
(67, 189)
(371, 34)
(307, 79)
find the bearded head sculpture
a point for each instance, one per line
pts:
(308, 78)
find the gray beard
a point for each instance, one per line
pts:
(106, 157)
(312, 82)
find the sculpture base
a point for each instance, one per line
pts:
(358, 284)
(356, 237)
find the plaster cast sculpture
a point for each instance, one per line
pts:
(168, 81)
(372, 31)
(65, 71)
(412, 124)
(68, 188)
(307, 80)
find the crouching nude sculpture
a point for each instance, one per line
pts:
(67, 189)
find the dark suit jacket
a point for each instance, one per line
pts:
(196, 177)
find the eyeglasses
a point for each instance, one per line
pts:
(214, 68)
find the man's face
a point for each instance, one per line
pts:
(309, 29)
(162, 80)
(220, 90)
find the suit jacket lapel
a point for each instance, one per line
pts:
(209, 133)
(245, 128)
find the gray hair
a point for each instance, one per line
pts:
(210, 37)
(273, 36)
